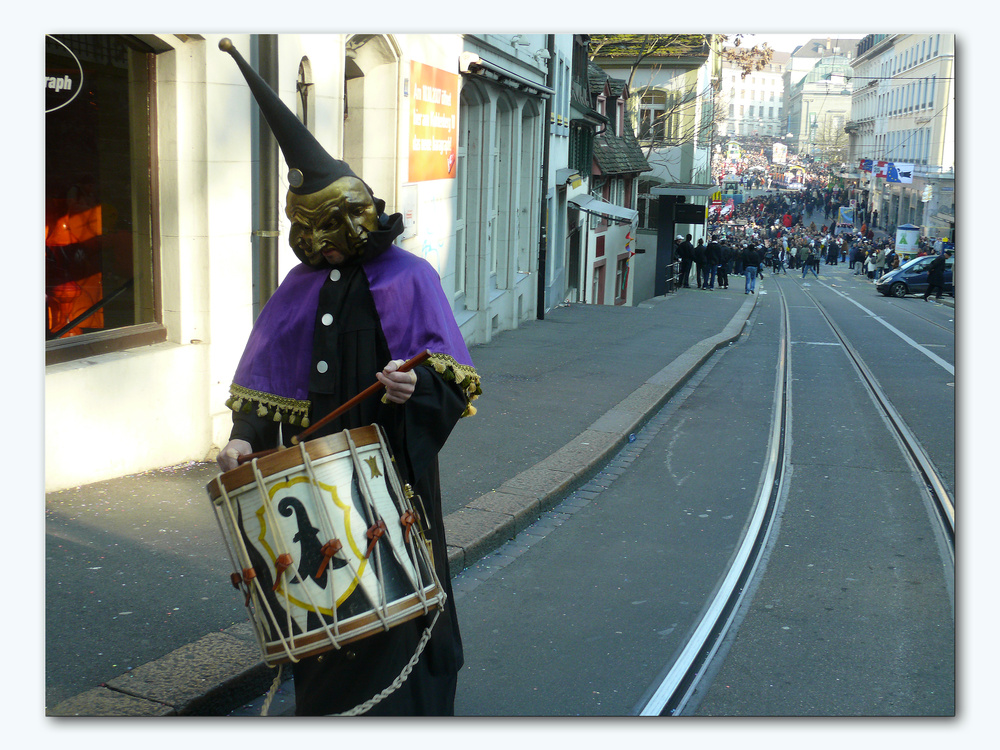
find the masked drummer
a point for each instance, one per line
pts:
(355, 308)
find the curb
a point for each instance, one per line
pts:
(222, 671)
(484, 524)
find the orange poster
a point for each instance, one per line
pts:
(433, 123)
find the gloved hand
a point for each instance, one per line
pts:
(229, 456)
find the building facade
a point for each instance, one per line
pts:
(609, 208)
(903, 114)
(165, 230)
(674, 105)
(819, 107)
(754, 105)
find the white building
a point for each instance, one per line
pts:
(754, 104)
(903, 112)
(165, 228)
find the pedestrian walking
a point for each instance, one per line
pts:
(685, 251)
(699, 262)
(935, 275)
(751, 261)
(811, 261)
(713, 257)
(725, 266)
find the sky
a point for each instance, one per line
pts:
(784, 42)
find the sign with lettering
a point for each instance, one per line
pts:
(433, 123)
(63, 78)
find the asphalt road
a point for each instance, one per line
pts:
(853, 614)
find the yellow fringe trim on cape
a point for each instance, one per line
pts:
(464, 376)
(280, 409)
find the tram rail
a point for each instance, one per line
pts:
(678, 685)
(941, 499)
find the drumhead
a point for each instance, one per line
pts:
(289, 458)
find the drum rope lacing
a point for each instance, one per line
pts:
(418, 584)
(280, 543)
(331, 534)
(288, 642)
(225, 501)
(254, 590)
(326, 518)
(374, 519)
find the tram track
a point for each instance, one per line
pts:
(676, 688)
(909, 310)
(940, 499)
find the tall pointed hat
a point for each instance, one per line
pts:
(310, 167)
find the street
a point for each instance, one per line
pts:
(853, 613)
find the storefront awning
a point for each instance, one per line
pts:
(470, 63)
(591, 205)
(568, 177)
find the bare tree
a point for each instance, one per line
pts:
(671, 117)
(638, 47)
(831, 141)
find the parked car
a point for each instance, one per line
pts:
(911, 278)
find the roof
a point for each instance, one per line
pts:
(826, 46)
(629, 46)
(619, 154)
(615, 154)
(596, 77)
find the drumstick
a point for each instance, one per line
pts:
(369, 391)
(366, 393)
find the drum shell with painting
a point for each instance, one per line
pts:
(294, 501)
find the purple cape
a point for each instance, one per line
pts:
(414, 313)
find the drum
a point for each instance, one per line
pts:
(326, 544)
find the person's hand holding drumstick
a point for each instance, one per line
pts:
(399, 386)
(229, 457)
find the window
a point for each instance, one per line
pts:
(621, 279)
(652, 116)
(100, 293)
(648, 205)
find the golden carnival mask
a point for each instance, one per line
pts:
(331, 225)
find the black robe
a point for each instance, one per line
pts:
(351, 343)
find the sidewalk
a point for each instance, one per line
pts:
(140, 617)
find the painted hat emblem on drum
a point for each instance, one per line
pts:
(310, 167)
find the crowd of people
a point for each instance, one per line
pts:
(770, 233)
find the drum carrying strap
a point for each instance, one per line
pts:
(375, 699)
(398, 682)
